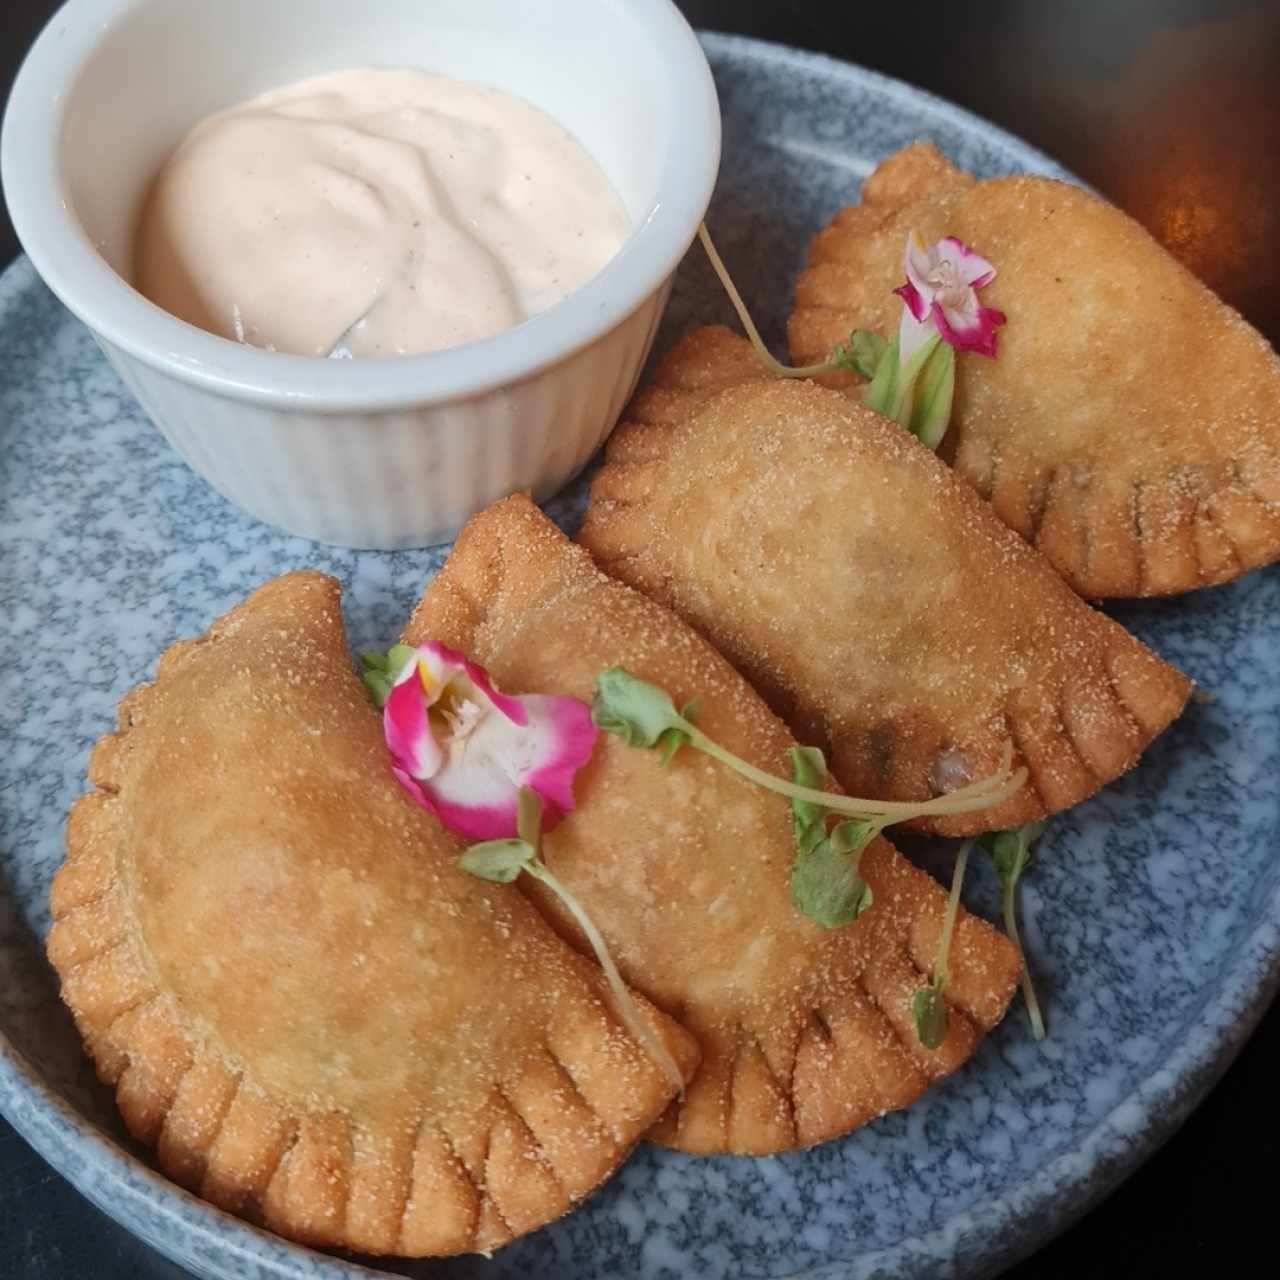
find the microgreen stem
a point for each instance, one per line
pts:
(1028, 990)
(636, 1025)
(776, 366)
(928, 1005)
(949, 922)
(983, 794)
(902, 396)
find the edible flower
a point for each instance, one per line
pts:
(941, 296)
(463, 750)
(912, 377)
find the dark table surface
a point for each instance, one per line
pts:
(1172, 109)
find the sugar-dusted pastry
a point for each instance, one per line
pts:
(318, 1021)
(806, 1032)
(873, 598)
(1130, 426)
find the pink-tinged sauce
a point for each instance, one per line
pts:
(374, 213)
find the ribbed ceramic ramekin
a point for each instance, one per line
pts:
(367, 453)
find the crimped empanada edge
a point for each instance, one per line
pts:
(740, 1103)
(311, 1177)
(1132, 696)
(1178, 534)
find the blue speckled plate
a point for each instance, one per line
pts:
(1154, 916)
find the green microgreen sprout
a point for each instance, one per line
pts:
(928, 1005)
(864, 353)
(379, 670)
(915, 387)
(855, 355)
(642, 714)
(502, 861)
(825, 881)
(1010, 853)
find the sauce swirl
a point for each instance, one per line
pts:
(374, 212)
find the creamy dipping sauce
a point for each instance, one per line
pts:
(374, 213)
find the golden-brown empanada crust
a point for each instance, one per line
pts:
(1130, 425)
(805, 1032)
(872, 598)
(319, 1021)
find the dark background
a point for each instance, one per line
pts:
(1172, 109)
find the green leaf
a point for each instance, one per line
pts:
(882, 390)
(853, 835)
(670, 743)
(500, 861)
(379, 685)
(1011, 854)
(908, 375)
(380, 670)
(398, 657)
(935, 390)
(825, 883)
(636, 711)
(862, 354)
(808, 769)
(809, 838)
(929, 1012)
(1010, 851)
(673, 740)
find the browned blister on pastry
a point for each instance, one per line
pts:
(805, 1032)
(1130, 424)
(874, 599)
(319, 1021)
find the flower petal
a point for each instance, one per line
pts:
(575, 737)
(919, 261)
(475, 791)
(463, 750)
(475, 822)
(447, 664)
(971, 267)
(407, 728)
(913, 300)
(913, 333)
(970, 329)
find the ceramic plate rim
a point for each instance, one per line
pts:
(979, 1237)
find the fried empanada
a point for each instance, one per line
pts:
(805, 1032)
(872, 597)
(1129, 426)
(318, 1020)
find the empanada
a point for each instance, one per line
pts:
(873, 598)
(318, 1020)
(1129, 426)
(805, 1032)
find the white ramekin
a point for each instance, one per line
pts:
(378, 453)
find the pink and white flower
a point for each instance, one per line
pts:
(463, 750)
(941, 296)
